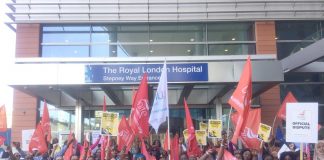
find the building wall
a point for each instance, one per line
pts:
(25, 106)
(265, 33)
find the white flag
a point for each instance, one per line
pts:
(160, 108)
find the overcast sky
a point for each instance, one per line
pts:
(7, 51)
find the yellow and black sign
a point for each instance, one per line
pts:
(215, 128)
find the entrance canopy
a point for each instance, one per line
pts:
(200, 79)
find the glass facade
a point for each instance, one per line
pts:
(141, 40)
(293, 36)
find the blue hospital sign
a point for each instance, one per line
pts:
(131, 73)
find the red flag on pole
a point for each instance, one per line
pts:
(139, 116)
(85, 146)
(38, 140)
(104, 144)
(46, 123)
(3, 119)
(241, 99)
(249, 134)
(69, 151)
(145, 152)
(193, 147)
(290, 98)
(2, 140)
(125, 135)
(175, 148)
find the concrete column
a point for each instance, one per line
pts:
(219, 109)
(78, 121)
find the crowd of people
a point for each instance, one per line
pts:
(222, 149)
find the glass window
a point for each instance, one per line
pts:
(298, 30)
(132, 33)
(285, 49)
(177, 33)
(231, 49)
(65, 51)
(238, 31)
(66, 38)
(177, 50)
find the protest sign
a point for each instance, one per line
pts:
(301, 122)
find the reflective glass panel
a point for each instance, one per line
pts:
(298, 30)
(231, 49)
(66, 38)
(238, 31)
(177, 33)
(177, 50)
(65, 51)
(286, 49)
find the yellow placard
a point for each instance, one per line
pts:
(264, 132)
(215, 128)
(201, 137)
(109, 123)
(203, 126)
(185, 134)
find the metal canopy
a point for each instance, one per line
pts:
(62, 81)
(303, 57)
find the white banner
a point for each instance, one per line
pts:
(26, 136)
(302, 122)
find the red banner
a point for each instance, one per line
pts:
(290, 98)
(140, 110)
(38, 140)
(241, 98)
(3, 119)
(249, 134)
(193, 147)
(125, 135)
(46, 123)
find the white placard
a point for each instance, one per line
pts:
(301, 122)
(26, 137)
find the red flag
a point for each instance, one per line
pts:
(85, 146)
(3, 119)
(140, 111)
(125, 135)
(104, 107)
(249, 134)
(166, 141)
(241, 98)
(193, 148)
(38, 141)
(104, 144)
(146, 154)
(175, 148)
(69, 151)
(228, 155)
(2, 140)
(290, 98)
(46, 123)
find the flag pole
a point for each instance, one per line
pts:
(301, 151)
(273, 123)
(169, 148)
(228, 122)
(169, 151)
